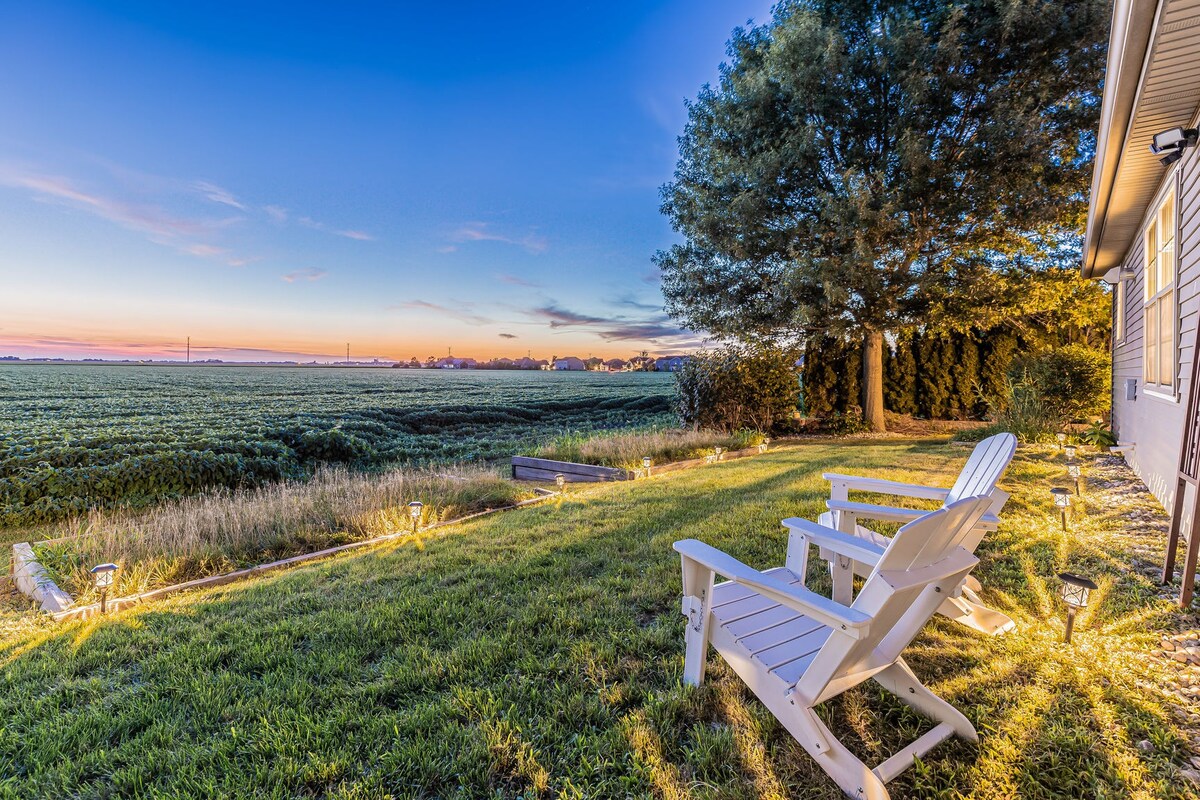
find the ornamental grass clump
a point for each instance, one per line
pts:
(227, 530)
(626, 450)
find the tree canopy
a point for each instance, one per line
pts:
(862, 165)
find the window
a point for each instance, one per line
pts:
(1159, 333)
(1119, 311)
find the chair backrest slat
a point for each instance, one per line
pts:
(984, 468)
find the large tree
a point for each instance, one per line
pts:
(861, 164)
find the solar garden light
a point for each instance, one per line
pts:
(1076, 472)
(414, 512)
(1062, 499)
(766, 442)
(561, 480)
(1062, 439)
(1074, 592)
(646, 462)
(1070, 450)
(717, 451)
(103, 575)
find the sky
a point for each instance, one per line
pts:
(276, 180)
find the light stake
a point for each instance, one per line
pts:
(646, 462)
(1075, 590)
(1062, 439)
(1062, 499)
(414, 511)
(103, 575)
(717, 451)
(561, 480)
(1075, 472)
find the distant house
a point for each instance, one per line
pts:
(670, 363)
(616, 364)
(569, 363)
(530, 363)
(640, 364)
(456, 363)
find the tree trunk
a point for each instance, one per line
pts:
(872, 381)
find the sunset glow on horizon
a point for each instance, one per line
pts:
(280, 187)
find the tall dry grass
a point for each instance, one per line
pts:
(219, 532)
(625, 450)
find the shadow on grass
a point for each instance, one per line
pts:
(540, 654)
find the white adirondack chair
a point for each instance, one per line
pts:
(796, 649)
(979, 476)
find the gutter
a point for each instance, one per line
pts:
(1133, 23)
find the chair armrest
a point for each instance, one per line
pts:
(807, 602)
(882, 486)
(880, 513)
(844, 544)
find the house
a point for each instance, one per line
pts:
(569, 363)
(1142, 233)
(530, 363)
(670, 363)
(456, 363)
(615, 364)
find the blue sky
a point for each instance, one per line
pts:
(275, 179)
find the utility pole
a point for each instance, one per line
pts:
(189, 350)
(347, 354)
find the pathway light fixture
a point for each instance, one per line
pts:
(1076, 472)
(561, 481)
(1070, 450)
(414, 512)
(1062, 500)
(1075, 589)
(103, 575)
(1062, 439)
(646, 462)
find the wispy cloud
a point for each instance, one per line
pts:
(142, 218)
(278, 214)
(513, 280)
(218, 195)
(482, 232)
(656, 328)
(508, 336)
(309, 274)
(361, 236)
(462, 314)
(562, 318)
(629, 301)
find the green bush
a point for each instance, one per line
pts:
(1021, 410)
(752, 387)
(1072, 381)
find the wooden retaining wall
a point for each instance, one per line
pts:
(543, 469)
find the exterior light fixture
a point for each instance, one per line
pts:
(718, 451)
(1075, 590)
(1170, 144)
(766, 442)
(1071, 450)
(1076, 472)
(103, 575)
(1062, 500)
(561, 480)
(414, 512)
(1062, 439)
(646, 462)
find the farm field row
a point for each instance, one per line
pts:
(78, 437)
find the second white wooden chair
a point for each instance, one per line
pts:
(979, 476)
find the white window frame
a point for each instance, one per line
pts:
(1120, 298)
(1160, 297)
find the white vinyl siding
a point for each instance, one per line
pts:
(1159, 340)
(1119, 312)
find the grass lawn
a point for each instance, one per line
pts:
(539, 653)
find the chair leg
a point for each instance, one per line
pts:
(853, 776)
(968, 611)
(900, 681)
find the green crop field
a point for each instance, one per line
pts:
(80, 437)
